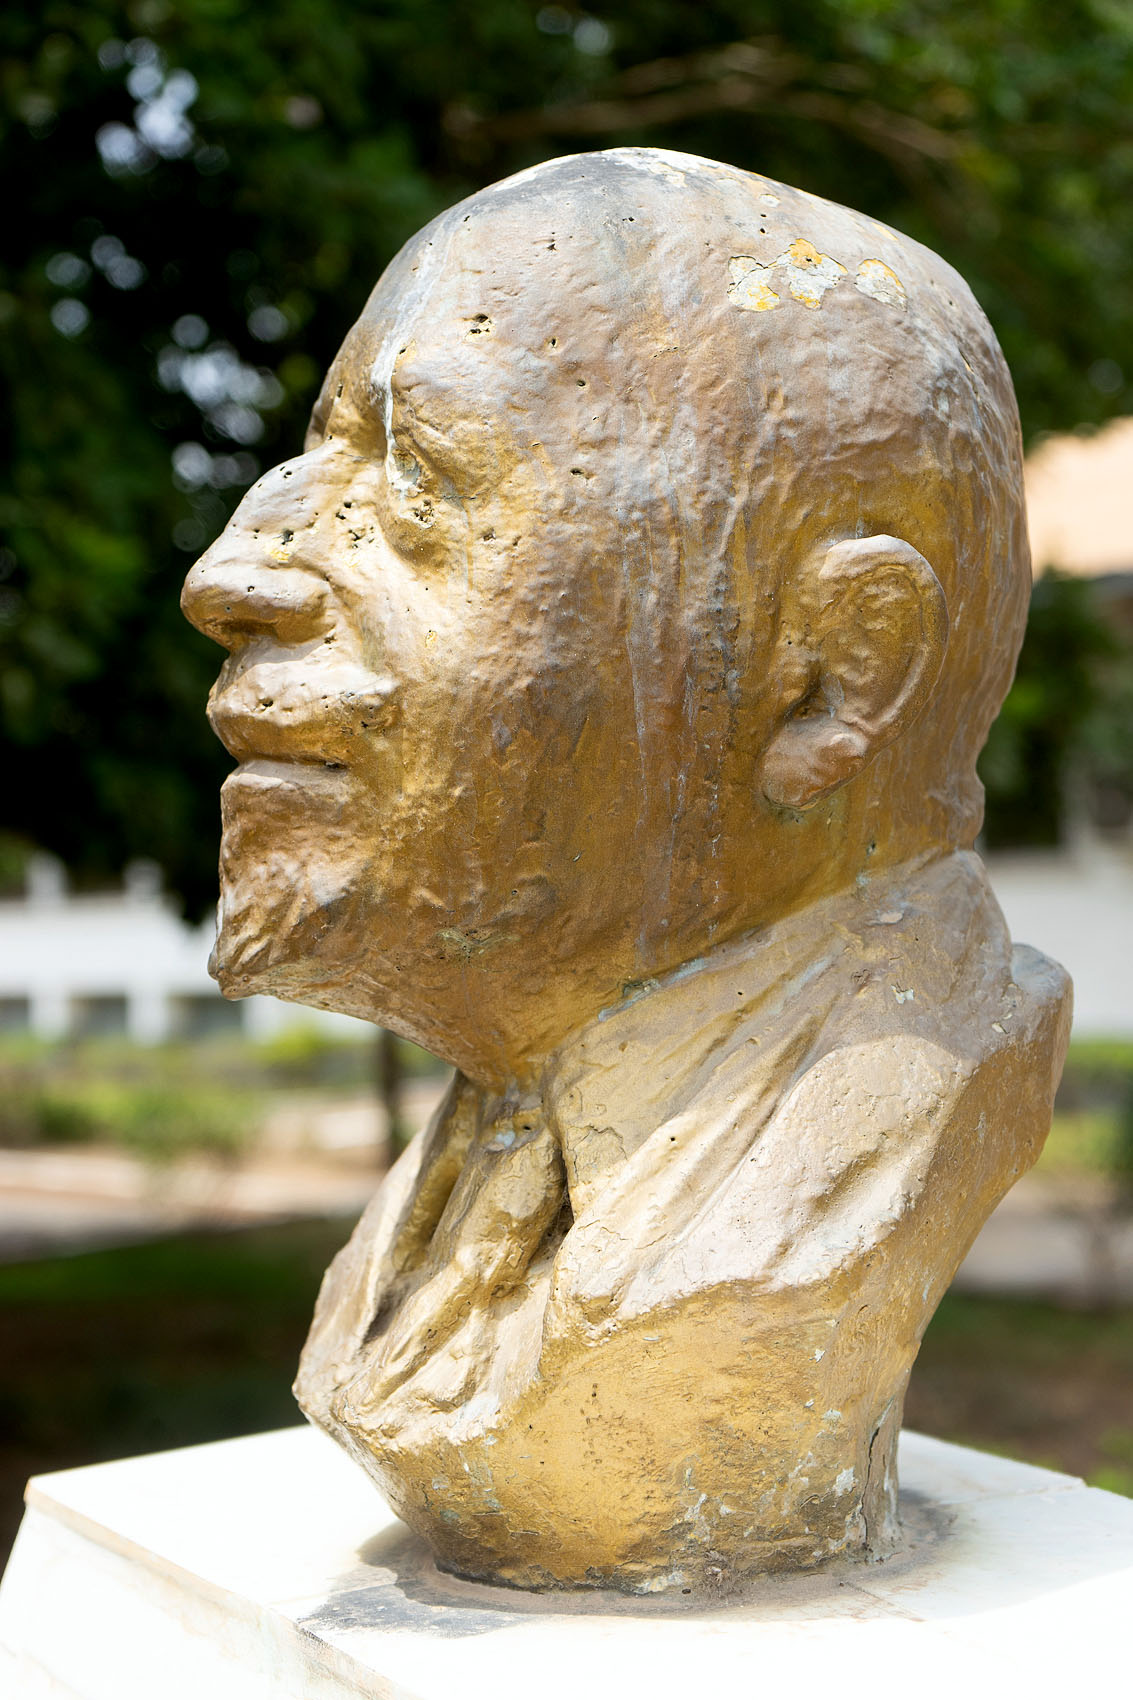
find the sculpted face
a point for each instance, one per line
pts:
(545, 674)
(428, 690)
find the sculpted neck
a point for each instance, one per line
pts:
(526, 1041)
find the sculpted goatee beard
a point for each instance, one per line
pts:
(279, 900)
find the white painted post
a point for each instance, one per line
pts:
(49, 1013)
(46, 880)
(147, 1015)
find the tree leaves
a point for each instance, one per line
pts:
(252, 171)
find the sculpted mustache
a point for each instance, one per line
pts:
(261, 721)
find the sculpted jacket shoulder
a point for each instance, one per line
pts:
(768, 1156)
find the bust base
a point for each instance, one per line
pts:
(266, 1569)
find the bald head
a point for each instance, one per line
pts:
(715, 376)
(671, 522)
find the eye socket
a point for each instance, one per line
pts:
(339, 412)
(320, 416)
(329, 394)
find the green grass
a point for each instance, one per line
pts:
(1032, 1380)
(1112, 1057)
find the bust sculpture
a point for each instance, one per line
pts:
(606, 679)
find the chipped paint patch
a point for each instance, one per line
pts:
(806, 274)
(801, 269)
(810, 274)
(658, 1584)
(881, 283)
(769, 200)
(749, 287)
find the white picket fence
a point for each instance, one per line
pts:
(121, 962)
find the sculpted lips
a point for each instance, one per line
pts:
(282, 710)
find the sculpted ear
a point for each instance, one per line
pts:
(861, 647)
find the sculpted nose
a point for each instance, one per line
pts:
(234, 598)
(252, 583)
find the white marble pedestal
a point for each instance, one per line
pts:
(268, 1569)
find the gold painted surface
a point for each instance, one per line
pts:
(606, 680)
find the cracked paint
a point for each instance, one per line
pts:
(876, 279)
(749, 287)
(757, 286)
(810, 273)
(806, 273)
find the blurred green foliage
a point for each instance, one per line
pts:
(159, 1102)
(1064, 738)
(201, 193)
(1098, 1071)
(308, 1056)
(1092, 1131)
(155, 1121)
(1081, 1142)
(211, 1096)
(164, 1102)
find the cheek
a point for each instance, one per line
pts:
(543, 766)
(512, 691)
